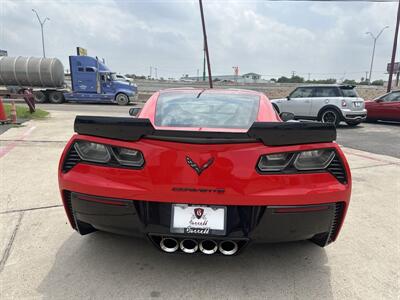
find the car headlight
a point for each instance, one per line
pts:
(275, 162)
(109, 155)
(93, 152)
(128, 157)
(314, 159)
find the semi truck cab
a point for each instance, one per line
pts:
(93, 81)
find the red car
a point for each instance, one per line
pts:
(385, 108)
(205, 171)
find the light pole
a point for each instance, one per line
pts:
(375, 38)
(41, 26)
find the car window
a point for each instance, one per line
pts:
(349, 92)
(326, 92)
(206, 109)
(302, 92)
(392, 97)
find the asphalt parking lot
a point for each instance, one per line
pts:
(41, 257)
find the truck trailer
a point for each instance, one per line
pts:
(90, 80)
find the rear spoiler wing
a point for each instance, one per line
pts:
(269, 133)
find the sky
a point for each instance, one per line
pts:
(313, 39)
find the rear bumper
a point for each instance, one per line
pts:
(349, 115)
(320, 222)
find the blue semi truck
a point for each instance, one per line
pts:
(90, 80)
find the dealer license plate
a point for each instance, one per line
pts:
(198, 219)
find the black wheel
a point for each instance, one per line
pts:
(56, 97)
(122, 99)
(330, 116)
(40, 97)
(353, 123)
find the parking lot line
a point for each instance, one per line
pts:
(6, 149)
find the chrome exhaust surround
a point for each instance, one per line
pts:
(228, 247)
(169, 244)
(189, 246)
(208, 246)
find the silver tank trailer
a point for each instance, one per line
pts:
(31, 72)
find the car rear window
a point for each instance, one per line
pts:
(206, 109)
(349, 92)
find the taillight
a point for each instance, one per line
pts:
(108, 155)
(314, 159)
(301, 161)
(274, 162)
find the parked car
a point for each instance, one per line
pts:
(385, 107)
(205, 171)
(121, 77)
(325, 103)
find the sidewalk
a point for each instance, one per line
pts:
(41, 257)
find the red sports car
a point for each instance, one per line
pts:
(205, 171)
(385, 108)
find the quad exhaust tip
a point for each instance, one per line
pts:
(169, 244)
(208, 246)
(228, 247)
(189, 246)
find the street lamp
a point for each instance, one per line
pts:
(41, 26)
(375, 38)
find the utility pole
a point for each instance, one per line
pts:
(204, 64)
(375, 38)
(151, 69)
(236, 72)
(155, 72)
(309, 74)
(366, 75)
(205, 44)
(41, 27)
(293, 73)
(396, 34)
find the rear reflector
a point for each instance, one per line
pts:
(101, 200)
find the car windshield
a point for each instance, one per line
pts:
(349, 92)
(206, 109)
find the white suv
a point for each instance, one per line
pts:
(325, 103)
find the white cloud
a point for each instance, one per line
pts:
(268, 38)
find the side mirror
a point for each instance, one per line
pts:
(288, 98)
(378, 100)
(134, 111)
(286, 116)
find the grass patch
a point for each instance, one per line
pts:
(23, 112)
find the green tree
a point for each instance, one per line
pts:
(378, 82)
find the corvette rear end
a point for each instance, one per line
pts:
(205, 171)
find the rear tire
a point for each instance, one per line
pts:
(330, 116)
(122, 99)
(40, 97)
(56, 97)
